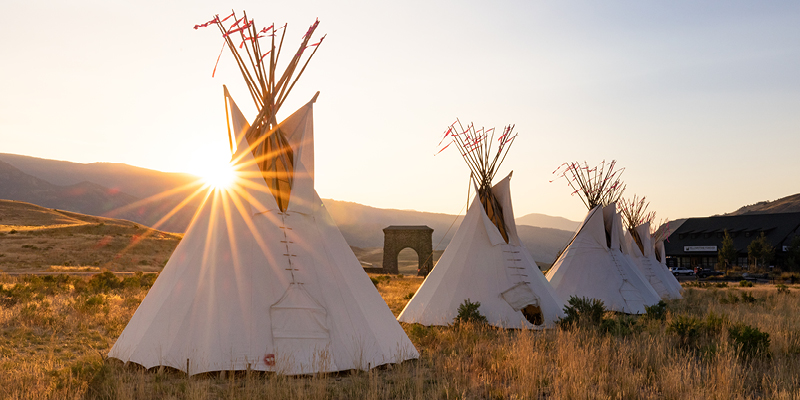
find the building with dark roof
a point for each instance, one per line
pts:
(696, 243)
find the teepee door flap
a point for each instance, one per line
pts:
(300, 329)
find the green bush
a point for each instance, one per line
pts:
(748, 298)
(139, 280)
(749, 340)
(620, 324)
(380, 278)
(656, 311)
(91, 304)
(688, 329)
(782, 289)
(35, 287)
(7, 297)
(425, 335)
(714, 322)
(583, 312)
(731, 297)
(469, 312)
(745, 283)
(103, 282)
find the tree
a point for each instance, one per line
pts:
(727, 253)
(760, 250)
(793, 254)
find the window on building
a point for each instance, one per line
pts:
(741, 261)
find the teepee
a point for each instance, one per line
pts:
(263, 279)
(639, 247)
(485, 261)
(657, 237)
(593, 264)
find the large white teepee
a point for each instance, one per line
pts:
(657, 274)
(593, 266)
(480, 266)
(254, 287)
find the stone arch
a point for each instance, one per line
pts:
(398, 237)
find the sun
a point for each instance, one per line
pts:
(218, 175)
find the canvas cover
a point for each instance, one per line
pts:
(480, 266)
(657, 274)
(254, 287)
(594, 266)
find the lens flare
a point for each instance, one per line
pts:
(218, 175)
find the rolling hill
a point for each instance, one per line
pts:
(35, 238)
(783, 205)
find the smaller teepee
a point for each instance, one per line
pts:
(639, 247)
(593, 264)
(485, 262)
(657, 237)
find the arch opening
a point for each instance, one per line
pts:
(408, 261)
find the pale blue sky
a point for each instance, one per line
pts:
(699, 101)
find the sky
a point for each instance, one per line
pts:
(698, 101)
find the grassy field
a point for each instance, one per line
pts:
(56, 331)
(34, 238)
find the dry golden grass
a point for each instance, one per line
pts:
(34, 238)
(397, 290)
(57, 330)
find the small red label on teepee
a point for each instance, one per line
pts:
(269, 360)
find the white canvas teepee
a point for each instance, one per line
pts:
(663, 282)
(480, 266)
(593, 266)
(253, 287)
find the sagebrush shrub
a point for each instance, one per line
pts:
(102, 283)
(657, 311)
(583, 311)
(469, 312)
(688, 329)
(749, 340)
(714, 322)
(139, 280)
(748, 298)
(380, 278)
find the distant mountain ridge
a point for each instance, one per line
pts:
(548, 221)
(136, 181)
(783, 205)
(77, 193)
(84, 197)
(118, 190)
